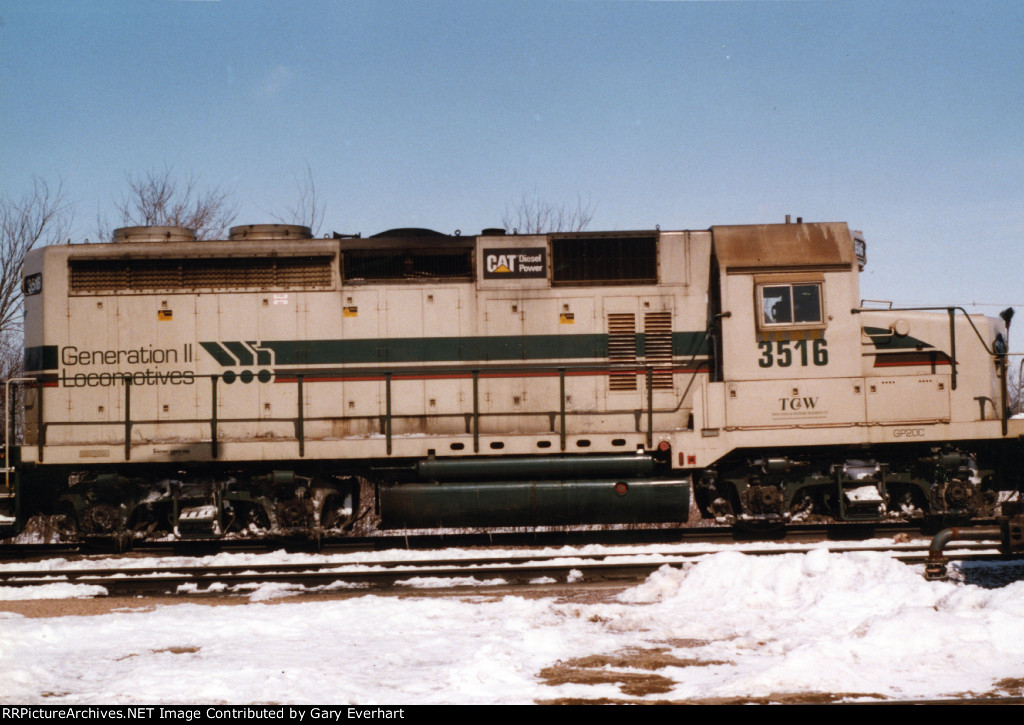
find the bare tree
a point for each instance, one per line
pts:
(309, 209)
(532, 215)
(41, 216)
(1014, 385)
(157, 198)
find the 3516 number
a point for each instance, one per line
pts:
(782, 353)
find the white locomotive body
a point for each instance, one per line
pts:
(264, 382)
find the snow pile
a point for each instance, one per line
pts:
(857, 625)
(851, 623)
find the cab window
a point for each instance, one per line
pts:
(790, 304)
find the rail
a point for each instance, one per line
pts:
(390, 377)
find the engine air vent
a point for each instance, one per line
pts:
(154, 234)
(622, 351)
(658, 348)
(90, 276)
(256, 232)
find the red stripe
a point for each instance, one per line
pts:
(286, 378)
(929, 363)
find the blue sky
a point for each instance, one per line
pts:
(905, 119)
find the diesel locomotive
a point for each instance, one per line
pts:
(274, 383)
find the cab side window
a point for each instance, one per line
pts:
(790, 304)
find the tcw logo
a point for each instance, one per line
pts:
(797, 403)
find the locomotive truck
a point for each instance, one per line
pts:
(275, 383)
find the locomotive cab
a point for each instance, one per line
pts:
(790, 344)
(831, 409)
(787, 343)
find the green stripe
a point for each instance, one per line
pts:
(884, 339)
(218, 353)
(437, 349)
(451, 349)
(689, 343)
(416, 349)
(43, 357)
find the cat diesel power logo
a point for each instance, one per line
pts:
(517, 263)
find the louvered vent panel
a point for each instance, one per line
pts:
(154, 275)
(300, 273)
(90, 279)
(204, 276)
(622, 350)
(658, 348)
(143, 275)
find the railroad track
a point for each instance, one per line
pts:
(12, 551)
(455, 574)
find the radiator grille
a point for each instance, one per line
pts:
(417, 264)
(601, 259)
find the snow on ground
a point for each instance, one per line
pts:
(368, 559)
(859, 624)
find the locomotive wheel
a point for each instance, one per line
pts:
(53, 528)
(294, 513)
(252, 520)
(65, 523)
(909, 502)
(101, 518)
(722, 508)
(336, 512)
(957, 494)
(330, 513)
(145, 521)
(802, 506)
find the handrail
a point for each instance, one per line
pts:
(949, 309)
(127, 419)
(389, 375)
(213, 416)
(300, 423)
(561, 408)
(387, 395)
(650, 406)
(476, 411)
(7, 427)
